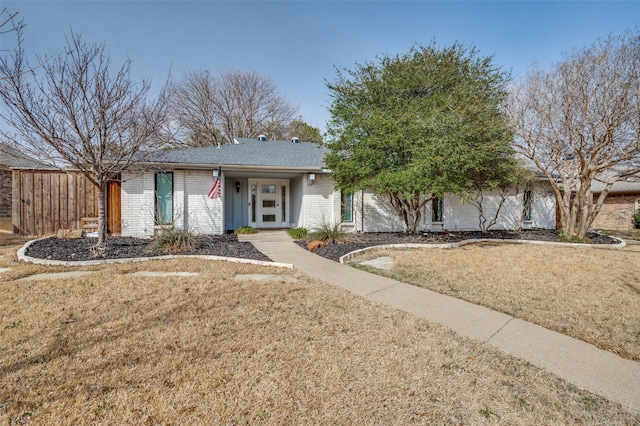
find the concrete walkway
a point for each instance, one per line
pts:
(582, 364)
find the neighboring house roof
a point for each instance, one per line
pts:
(629, 185)
(251, 152)
(12, 158)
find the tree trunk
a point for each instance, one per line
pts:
(102, 229)
(408, 210)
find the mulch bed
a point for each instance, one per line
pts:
(229, 246)
(336, 250)
(128, 247)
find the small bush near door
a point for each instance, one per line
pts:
(245, 230)
(331, 233)
(297, 233)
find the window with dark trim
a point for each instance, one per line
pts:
(346, 206)
(527, 204)
(283, 203)
(437, 205)
(164, 198)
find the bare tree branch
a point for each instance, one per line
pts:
(75, 113)
(213, 110)
(581, 122)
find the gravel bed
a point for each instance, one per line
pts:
(336, 250)
(229, 246)
(128, 247)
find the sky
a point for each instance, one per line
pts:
(299, 44)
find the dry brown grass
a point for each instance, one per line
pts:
(109, 348)
(6, 225)
(590, 294)
(9, 240)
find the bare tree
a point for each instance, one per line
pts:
(215, 109)
(9, 23)
(73, 113)
(194, 108)
(580, 122)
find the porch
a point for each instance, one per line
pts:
(263, 200)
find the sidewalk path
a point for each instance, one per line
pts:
(580, 363)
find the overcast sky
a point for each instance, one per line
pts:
(299, 43)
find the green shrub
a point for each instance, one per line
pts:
(297, 233)
(329, 234)
(245, 230)
(636, 219)
(175, 240)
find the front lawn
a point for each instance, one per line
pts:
(588, 293)
(113, 348)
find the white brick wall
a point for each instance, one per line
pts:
(543, 210)
(321, 204)
(202, 214)
(380, 216)
(137, 204)
(179, 216)
(192, 208)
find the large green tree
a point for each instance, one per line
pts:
(419, 125)
(304, 131)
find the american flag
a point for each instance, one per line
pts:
(216, 190)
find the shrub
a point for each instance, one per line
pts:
(636, 219)
(297, 233)
(329, 234)
(245, 230)
(175, 240)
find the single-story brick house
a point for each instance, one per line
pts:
(281, 184)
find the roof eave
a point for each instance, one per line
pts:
(238, 167)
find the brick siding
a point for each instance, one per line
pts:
(5, 193)
(616, 212)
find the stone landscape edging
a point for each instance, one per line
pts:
(347, 257)
(50, 262)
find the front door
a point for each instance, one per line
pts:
(269, 215)
(268, 203)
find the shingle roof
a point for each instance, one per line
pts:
(11, 157)
(629, 185)
(251, 152)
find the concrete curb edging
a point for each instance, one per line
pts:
(347, 257)
(48, 262)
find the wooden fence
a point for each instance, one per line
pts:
(45, 201)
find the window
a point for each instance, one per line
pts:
(253, 203)
(436, 209)
(164, 198)
(268, 217)
(283, 194)
(346, 207)
(268, 189)
(527, 205)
